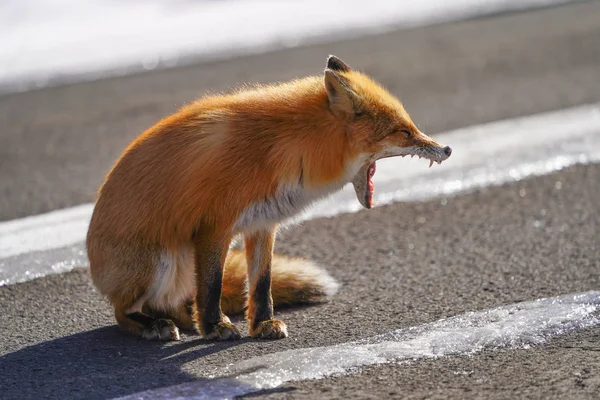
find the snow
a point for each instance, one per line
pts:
(51, 41)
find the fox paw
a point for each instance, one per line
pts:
(161, 329)
(224, 330)
(270, 329)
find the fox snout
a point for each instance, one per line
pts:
(446, 150)
(431, 150)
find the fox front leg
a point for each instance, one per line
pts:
(211, 323)
(259, 252)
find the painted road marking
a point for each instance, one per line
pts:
(483, 155)
(513, 326)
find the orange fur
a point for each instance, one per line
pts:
(179, 192)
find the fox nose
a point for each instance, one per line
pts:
(447, 151)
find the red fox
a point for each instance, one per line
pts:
(238, 164)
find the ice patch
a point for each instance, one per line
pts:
(518, 325)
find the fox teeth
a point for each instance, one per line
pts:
(430, 163)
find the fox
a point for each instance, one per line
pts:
(238, 165)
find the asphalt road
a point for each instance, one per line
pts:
(399, 265)
(56, 145)
(477, 251)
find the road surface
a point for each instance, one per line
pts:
(399, 265)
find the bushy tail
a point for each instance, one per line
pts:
(293, 281)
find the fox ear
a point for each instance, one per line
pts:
(341, 97)
(335, 64)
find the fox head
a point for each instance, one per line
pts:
(377, 125)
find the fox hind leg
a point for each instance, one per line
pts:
(133, 320)
(181, 315)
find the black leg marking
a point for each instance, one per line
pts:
(263, 302)
(154, 328)
(212, 310)
(142, 319)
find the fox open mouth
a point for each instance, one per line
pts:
(363, 180)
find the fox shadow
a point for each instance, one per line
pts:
(100, 364)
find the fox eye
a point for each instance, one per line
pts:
(407, 133)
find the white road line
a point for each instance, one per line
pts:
(514, 326)
(46, 231)
(483, 155)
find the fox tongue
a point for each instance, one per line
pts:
(370, 175)
(363, 185)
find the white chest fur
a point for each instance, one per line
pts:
(288, 202)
